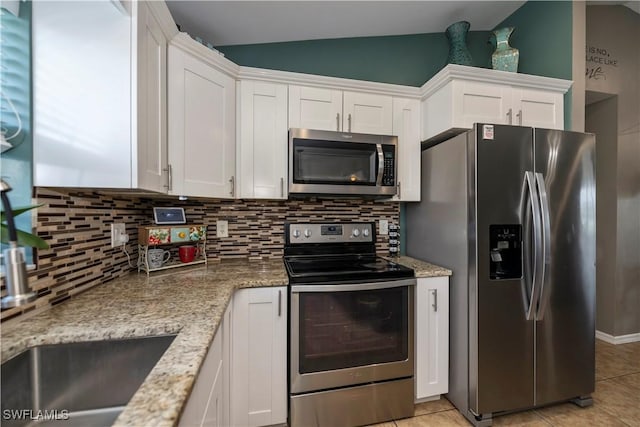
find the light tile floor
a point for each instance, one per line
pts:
(616, 401)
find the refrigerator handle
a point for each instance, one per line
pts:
(546, 246)
(529, 187)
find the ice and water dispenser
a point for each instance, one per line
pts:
(506, 251)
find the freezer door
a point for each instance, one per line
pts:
(501, 366)
(565, 329)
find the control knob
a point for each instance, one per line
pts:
(296, 233)
(365, 232)
(307, 233)
(355, 232)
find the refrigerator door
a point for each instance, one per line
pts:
(565, 329)
(501, 352)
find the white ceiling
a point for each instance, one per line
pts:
(248, 22)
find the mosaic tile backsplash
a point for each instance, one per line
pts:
(76, 224)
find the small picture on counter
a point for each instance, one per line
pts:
(164, 216)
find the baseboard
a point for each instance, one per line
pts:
(620, 339)
(427, 399)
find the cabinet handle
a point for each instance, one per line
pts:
(519, 116)
(435, 300)
(349, 120)
(282, 187)
(399, 189)
(338, 122)
(233, 186)
(510, 115)
(169, 184)
(279, 303)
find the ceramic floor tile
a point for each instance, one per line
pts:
(527, 418)
(620, 400)
(611, 364)
(430, 407)
(450, 418)
(570, 415)
(631, 381)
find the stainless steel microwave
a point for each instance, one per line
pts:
(341, 164)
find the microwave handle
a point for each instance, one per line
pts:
(380, 164)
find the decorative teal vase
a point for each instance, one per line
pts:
(457, 36)
(505, 57)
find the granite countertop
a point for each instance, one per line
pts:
(421, 268)
(189, 302)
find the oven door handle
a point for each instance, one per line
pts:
(349, 287)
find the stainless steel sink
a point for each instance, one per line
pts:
(80, 384)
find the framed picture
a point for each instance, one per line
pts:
(169, 216)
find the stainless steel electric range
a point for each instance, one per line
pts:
(350, 327)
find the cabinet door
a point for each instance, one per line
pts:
(81, 95)
(480, 103)
(262, 143)
(217, 411)
(315, 108)
(151, 103)
(432, 337)
(406, 125)
(259, 348)
(208, 384)
(201, 128)
(538, 108)
(367, 113)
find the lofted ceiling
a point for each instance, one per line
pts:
(249, 22)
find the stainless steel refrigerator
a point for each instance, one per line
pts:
(512, 212)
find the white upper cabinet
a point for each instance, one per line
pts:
(330, 109)
(367, 113)
(538, 108)
(150, 102)
(315, 108)
(406, 125)
(262, 140)
(459, 96)
(99, 75)
(202, 122)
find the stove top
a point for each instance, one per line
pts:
(337, 252)
(331, 268)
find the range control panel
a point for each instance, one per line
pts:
(331, 233)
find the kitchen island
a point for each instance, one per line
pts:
(189, 302)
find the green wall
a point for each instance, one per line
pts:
(406, 60)
(544, 35)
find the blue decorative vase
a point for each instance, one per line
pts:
(457, 36)
(505, 57)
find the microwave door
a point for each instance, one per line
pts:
(330, 164)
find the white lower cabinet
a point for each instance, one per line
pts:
(259, 357)
(432, 338)
(208, 404)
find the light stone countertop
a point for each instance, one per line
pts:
(421, 268)
(189, 302)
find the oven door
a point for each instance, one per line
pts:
(349, 334)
